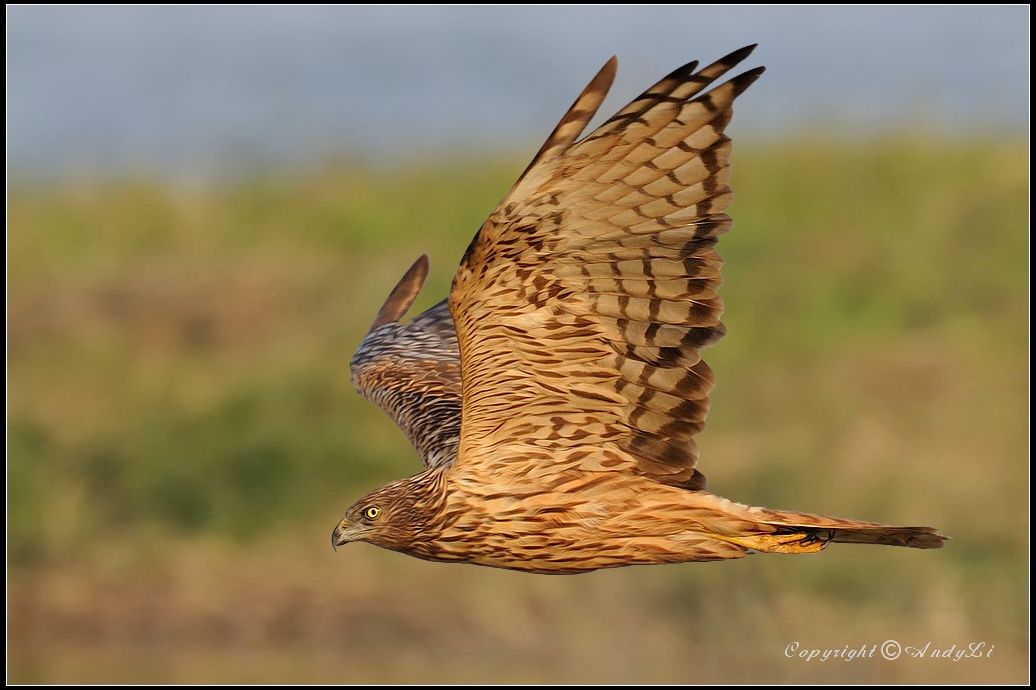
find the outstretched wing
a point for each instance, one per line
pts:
(412, 371)
(584, 302)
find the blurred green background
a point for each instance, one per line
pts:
(182, 434)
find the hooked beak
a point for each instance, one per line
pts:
(340, 535)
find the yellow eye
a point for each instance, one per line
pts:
(371, 513)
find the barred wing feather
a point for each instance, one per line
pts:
(583, 303)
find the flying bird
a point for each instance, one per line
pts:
(554, 397)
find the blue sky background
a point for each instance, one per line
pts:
(200, 91)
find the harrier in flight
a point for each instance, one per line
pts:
(555, 396)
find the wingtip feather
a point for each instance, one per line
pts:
(403, 295)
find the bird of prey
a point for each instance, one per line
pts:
(555, 396)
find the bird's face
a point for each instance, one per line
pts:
(389, 517)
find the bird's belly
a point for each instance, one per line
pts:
(556, 534)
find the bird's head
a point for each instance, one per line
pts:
(394, 516)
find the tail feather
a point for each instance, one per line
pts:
(777, 531)
(913, 537)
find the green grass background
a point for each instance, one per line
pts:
(183, 436)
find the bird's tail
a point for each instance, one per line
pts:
(779, 531)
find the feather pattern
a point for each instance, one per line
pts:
(600, 268)
(412, 371)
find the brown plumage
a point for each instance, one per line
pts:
(412, 372)
(556, 422)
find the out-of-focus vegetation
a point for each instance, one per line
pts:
(182, 434)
